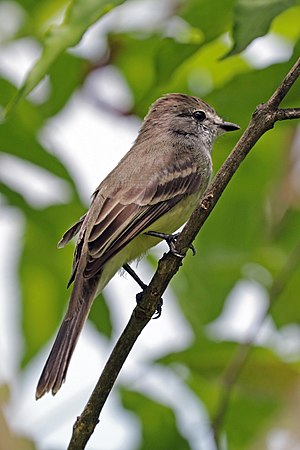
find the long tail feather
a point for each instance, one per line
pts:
(55, 369)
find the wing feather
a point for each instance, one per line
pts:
(143, 220)
(71, 232)
(112, 222)
(111, 232)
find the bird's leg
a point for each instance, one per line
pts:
(171, 241)
(134, 275)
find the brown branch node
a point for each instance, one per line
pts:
(207, 201)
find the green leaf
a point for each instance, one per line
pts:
(212, 17)
(252, 19)
(155, 417)
(263, 387)
(80, 15)
(20, 142)
(18, 135)
(63, 85)
(14, 198)
(156, 58)
(287, 23)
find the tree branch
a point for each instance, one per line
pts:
(287, 114)
(263, 119)
(285, 86)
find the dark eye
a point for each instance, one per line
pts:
(199, 116)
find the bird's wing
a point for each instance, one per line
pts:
(129, 211)
(71, 232)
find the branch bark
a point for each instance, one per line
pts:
(263, 119)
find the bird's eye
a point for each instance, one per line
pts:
(199, 116)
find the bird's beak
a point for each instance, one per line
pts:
(228, 126)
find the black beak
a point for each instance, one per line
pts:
(229, 126)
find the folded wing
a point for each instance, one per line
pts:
(129, 212)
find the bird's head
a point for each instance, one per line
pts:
(185, 116)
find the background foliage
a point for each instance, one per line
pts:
(196, 48)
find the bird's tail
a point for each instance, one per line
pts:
(55, 369)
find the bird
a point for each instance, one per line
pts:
(153, 189)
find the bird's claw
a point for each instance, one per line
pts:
(171, 241)
(158, 308)
(194, 251)
(143, 286)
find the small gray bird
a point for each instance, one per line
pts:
(155, 187)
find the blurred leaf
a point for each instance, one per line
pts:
(155, 56)
(287, 24)
(286, 308)
(80, 15)
(206, 70)
(253, 18)
(10, 440)
(171, 66)
(286, 421)
(155, 417)
(212, 17)
(264, 384)
(63, 85)
(42, 7)
(21, 142)
(237, 99)
(15, 198)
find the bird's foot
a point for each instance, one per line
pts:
(134, 275)
(171, 241)
(143, 286)
(158, 308)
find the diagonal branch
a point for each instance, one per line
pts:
(263, 119)
(285, 86)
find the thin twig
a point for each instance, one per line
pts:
(288, 113)
(285, 86)
(262, 120)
